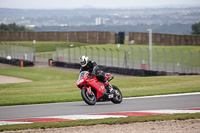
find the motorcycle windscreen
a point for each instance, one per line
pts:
(82, 74)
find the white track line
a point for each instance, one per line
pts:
(158, 96)
(83, 117)
(170, 111)
(12, 122)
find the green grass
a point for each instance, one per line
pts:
(50, 86)
(110, 121)
(46, 46)
(127, 47)
(51, 46)
(143, 86)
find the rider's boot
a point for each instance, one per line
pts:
(109, 87)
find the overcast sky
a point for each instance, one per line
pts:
(56, 4)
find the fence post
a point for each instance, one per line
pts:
(141, 55)
(57, 51)
(98, 55)
(92, 52)
(118, 57)
(21, 52)
(85, 51)
(4, 52)
(111, 51)
(132, 56)
(157, 59)
(165, 62)
(125, 59)
(149, 59)
(69, 58)
(150, 49)
(74, 54)
(80, 51)
(105, 55)
(191, 61)
(63, 55)
(182, 63)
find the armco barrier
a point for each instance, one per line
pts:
(117, 70)
(16, 62)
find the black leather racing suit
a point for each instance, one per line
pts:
(93, 68)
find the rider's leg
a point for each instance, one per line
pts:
(101, 77)
(109, 86)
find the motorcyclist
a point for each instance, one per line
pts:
(92, 67)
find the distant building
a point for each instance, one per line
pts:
(99, 21)
(30, 26)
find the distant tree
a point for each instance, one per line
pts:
(196, 29)
(13, 27)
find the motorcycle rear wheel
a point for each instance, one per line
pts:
(89, 99)
(117, 99)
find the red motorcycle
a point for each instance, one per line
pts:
(93, 91)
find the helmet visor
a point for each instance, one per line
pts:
(83, 63)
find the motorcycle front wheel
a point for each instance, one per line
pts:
(90, 99)
(118, 97)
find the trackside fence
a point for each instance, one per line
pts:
(17, 52)
(177, 61)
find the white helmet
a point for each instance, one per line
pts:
(83, 60)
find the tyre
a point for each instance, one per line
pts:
(118, 98)
(89, 99)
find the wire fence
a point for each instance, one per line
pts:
(167, 60)
(17, 51)
(137, 58)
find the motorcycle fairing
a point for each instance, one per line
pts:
(98, 86)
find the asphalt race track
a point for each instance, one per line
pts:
(176, 101)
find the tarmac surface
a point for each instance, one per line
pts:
(188, 100)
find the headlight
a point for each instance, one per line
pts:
(80, 81)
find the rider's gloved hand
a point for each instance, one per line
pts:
(92, 74)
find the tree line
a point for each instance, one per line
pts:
(13, 27)
(196, 29)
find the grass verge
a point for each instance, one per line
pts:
(110, 121)
(51, 86)
(43, 46)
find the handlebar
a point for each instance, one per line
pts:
(111, 77)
